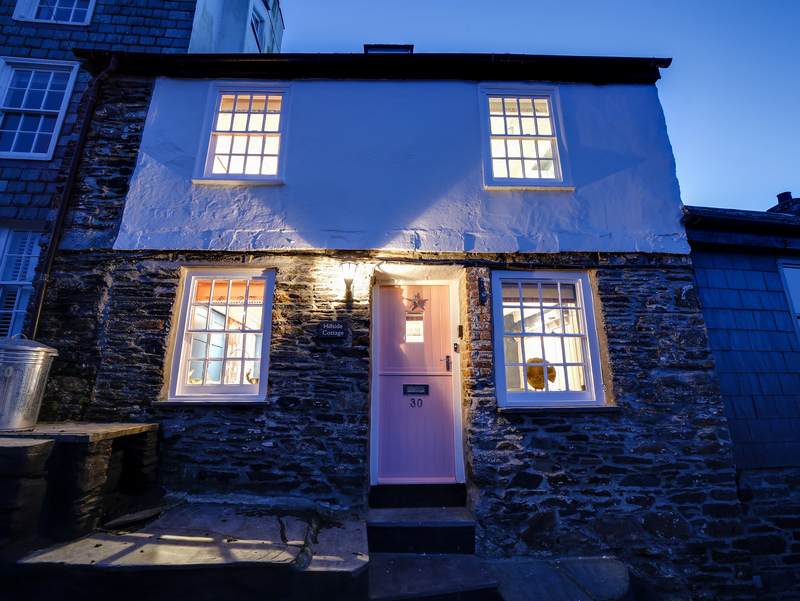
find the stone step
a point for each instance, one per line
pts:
(418, 495)
(568, 579)
(421, 530)
(430, 577)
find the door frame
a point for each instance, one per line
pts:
(458, 438)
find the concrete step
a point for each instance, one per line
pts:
(430, 577)
(418, 495)
(421, 530)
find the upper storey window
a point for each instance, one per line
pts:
(521, 145)
(35, 95)
(246, 136)
(68, 12)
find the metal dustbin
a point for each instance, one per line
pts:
(24, 367)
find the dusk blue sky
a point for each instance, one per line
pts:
(730, 97)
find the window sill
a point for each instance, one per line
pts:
(566, 409)
(216, 402)
(238, 182)
(529, 187)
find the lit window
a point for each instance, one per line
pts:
(224, 326)
(546, 349)
(68, 12)
(20, 247)
(246, 137)
(35, 96)
(521, 142)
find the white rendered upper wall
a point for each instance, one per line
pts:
(398, 165)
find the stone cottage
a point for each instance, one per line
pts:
(388, 278)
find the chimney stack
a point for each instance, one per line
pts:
(786, 204)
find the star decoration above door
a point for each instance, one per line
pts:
(417, 302)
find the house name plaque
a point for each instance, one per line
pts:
(332, 329)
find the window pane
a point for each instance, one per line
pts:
(529, 149)
(530, 293)
(235, 318)
(510, 106)
(256, 293)
(252, 346)
(271, 144)
(239, 122)
(513, 349)
(239, 144)
(272, 122)
(220, 293)
(573, 350)
(577, 377)
(515, 168)
(214, 372)
(548, 169)
(216, 319)
(532, 169)
(498, 148)
(259, 103)
(252, 372)
(226, 102)
(252, 165)
(195, 373)
(510, 292)
(543, 125)
(495, 106)
(529, 127)
(512, 320)
(235, 348)
(533, 348)
(533, 321)
(220, 164)
(553, 352)
(199, 346)
(499, 168)
(216, 348)
(223, 144)
(514, 378)
(541, 107)
(199, 318)
(545, 149)
(526, 107)
(512, 126)
(269, 166)
(514, 148)
(224, 121)
(497, 125)
(274, 104)
(550, 294)
(236, 165)
(253, 318)
(559, 381)
(256, 123)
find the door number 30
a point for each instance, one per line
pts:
(416, 402)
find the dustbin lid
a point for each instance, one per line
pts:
(23, 344)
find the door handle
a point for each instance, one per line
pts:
(448, 366)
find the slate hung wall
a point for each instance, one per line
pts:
(645, 471)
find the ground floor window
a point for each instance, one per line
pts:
(546, 349)
(223, 344)
(20, 253)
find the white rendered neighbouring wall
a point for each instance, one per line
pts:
(398, 165)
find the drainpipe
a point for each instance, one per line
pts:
(58, 224)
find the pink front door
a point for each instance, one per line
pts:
(415, 389)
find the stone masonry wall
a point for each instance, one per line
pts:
(652, 483)
(28, 189)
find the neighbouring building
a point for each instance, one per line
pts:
(339, 277)
(747, 274)
(43, 92)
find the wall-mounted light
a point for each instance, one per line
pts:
(349, 274)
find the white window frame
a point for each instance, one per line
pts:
(8, 65)
(594, 395)
(26, 11)
(562, 180)
(203, 168)
(790, 276)
(22, 281)
(179, 390)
